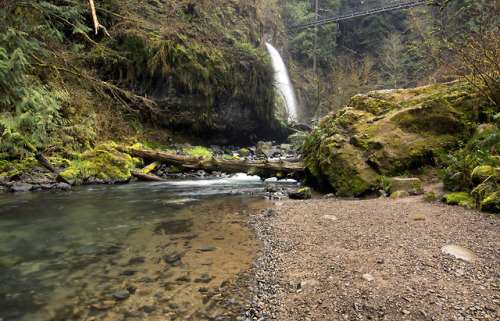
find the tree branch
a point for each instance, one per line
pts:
(97, 25)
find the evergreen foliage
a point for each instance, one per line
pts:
(31, 106)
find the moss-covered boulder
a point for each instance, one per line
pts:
(382, 133)
(485, 172)
(459, 198)
(107, 163)
(490, 202)
(485, 136)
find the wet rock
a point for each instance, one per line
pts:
(63, 186)
(104, 305)
(121, 294)
(207, 248)
(128, 272)
(205, 278)
(148, 309)
(172, 257)
(301, 194)
(136, 260)
(271, 188)
(21, 187)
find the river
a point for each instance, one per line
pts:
(138, 251)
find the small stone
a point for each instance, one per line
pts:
(121, 294)
(159, 294)
(148, 309)
(173, 257)
(207, 248)
(368, 277)
(406, 312)
(330, 217)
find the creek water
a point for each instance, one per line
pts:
(138, 251)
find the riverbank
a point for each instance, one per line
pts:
(379, 259)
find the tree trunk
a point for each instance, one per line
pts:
(263, 169)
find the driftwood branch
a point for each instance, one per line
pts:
(97, 25)
(263, 169)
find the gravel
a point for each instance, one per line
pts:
(378, 259)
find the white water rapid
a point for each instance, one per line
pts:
(282, 82)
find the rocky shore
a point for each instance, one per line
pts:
(106, 165)
(376, 259)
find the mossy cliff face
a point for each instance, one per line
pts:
(382, 133)
(202, 62)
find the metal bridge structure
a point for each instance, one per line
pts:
(361, 11)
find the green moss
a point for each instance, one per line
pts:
(199, 151)
(459, 198)
(244, 152)
(105, 162)
(63, 163)
(69, 174)
(491, 202)
(429, 196)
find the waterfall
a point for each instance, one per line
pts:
(282, 82)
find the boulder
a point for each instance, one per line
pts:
(383, 133)
(485, 172)
(21, 187)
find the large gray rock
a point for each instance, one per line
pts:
(21, 187)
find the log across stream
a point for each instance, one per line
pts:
(264, 169)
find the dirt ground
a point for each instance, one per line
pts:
(376, 259)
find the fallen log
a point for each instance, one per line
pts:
(145, 177)
(264, 169)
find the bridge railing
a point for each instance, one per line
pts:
(361, 11)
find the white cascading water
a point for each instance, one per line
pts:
(282, 82)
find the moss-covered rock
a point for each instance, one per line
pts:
(459, 198)
(301, 194)
(485, 136)
(399, 194)
(379, 134)
(108, 164)
(69, 176)
(490, 202)
(412, 186)
(484, 172)
(429, 196)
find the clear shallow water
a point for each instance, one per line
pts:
(65, 255)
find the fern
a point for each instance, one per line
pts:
(29, 107)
